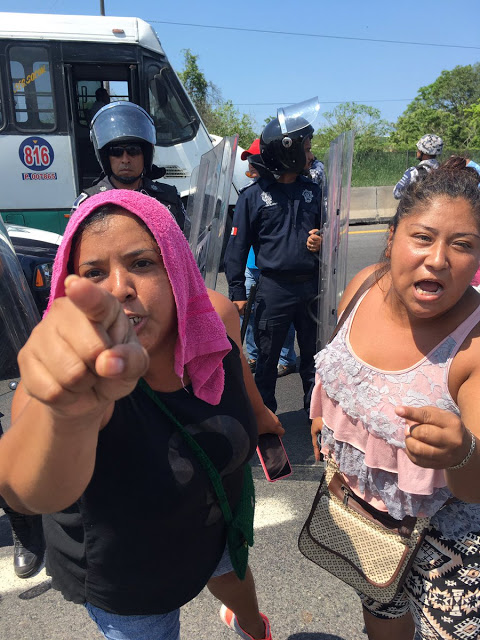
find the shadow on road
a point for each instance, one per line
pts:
(5, 531)
(297, 439)
(36, 591)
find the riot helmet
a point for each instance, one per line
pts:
(430, 145)
(282, 141)
(122, 122)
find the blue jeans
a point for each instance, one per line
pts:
(115, 627)
(165, 626)
(287, 354)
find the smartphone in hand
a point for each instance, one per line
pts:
(273, 457)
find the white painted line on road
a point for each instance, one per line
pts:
(9, 583)
(270, 512)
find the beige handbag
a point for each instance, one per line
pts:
(364, 547)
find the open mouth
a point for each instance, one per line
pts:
(428, 287)
(134, 320)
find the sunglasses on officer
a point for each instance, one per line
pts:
(117, 151)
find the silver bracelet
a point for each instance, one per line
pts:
(461, 464)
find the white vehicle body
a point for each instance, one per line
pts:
(50, 68)
(35, 236)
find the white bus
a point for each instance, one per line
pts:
(50, 69)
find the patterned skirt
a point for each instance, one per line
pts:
(442, 589)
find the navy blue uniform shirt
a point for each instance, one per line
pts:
(274, 219)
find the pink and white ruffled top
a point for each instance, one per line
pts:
(361, 430)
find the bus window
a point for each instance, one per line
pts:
(174, 119)
(89, 102)
(32, 88)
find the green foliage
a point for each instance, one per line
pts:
(473, 113)
(225, 120)
(385, 168)
(202, 92)
(220, 117)
(370, 130)
(445, 108)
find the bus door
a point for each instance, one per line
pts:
(90, 87)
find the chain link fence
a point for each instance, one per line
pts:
(385, 168)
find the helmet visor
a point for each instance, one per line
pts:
(297, 116)
(122, 121)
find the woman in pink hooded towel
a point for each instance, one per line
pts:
(131, 346)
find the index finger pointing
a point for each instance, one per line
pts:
(96, 303)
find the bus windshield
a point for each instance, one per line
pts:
(175, 121)
(174, 118)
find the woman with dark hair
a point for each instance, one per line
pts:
(396, 402)
(134, 391)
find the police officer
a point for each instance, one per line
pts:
(18, 316)
(279, 216)
(123, 136)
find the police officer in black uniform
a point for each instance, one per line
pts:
(280, 216)
(18, 317)
(123, 136)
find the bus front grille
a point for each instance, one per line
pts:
(172, 171)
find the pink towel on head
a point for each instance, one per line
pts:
(476, 279)
(202, 341)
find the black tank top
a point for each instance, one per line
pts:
(148, 532)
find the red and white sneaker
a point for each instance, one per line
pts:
(230, 620)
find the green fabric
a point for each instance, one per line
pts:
(240, 531)
(240, 524)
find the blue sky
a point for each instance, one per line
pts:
(252, 69)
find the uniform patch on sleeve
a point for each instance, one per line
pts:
(234, 231)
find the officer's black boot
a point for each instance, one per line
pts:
(28, 541)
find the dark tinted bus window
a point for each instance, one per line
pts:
(32, 88)
(175, 120)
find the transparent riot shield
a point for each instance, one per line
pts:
(18, 312)
(336, 214)
(207, 207)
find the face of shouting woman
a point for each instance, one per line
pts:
(119, 254)
(434, 254)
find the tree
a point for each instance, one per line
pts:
(443, 107)
(370, 130)
(225, 120)
(201, 92)
(220, 117)
(473, 113)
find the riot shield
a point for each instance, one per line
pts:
(336, 214)
(18, 312)
(207, 207)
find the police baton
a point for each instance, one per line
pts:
(248, 311)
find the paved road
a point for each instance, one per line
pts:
(302, 601)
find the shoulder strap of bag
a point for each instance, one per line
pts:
(204, 460)
(366, 284)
